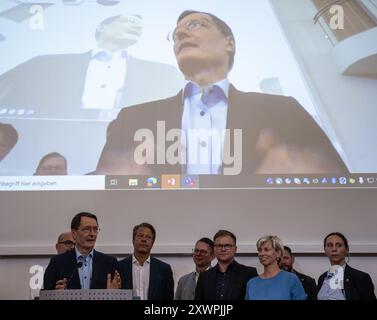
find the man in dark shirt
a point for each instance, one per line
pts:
(227, 280)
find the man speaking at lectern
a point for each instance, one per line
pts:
(84, 267)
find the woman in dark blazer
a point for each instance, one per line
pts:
(342, 282)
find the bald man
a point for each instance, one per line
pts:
(65, 242)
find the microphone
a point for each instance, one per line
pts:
(78, 266)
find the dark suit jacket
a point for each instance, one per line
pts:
(309, 285)
(251, 112)
(358, 285)
(239, 276)
(161, 282)
(65, 266)
(53, 85)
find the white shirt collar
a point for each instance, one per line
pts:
(135, 261)
(190, 88)
(119, 53)
(78, 254)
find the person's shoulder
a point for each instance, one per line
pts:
(59, 57)
(289, 275)
(63, 256)
(151, 107)
(356, 272)
(103, 256)
(160, 263)
(126, 260)
(259, 96)
(185, 277)
(151, 64)
(208, 272)
(304, 277)
(244, 267)
(254, 280)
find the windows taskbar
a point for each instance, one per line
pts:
(186, 182)
(257, 181)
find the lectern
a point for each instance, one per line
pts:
(86, 294)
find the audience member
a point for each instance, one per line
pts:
(227, 280)
(286, 263)
(148, 277)
(273, 283)
(341, 282)
(203, 254)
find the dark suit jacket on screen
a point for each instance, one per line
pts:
(53, 85)
(251, 112)
(161, 282)
(358, 285)
(65, 266)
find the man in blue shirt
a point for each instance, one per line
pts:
(210, 127)
(84, 267)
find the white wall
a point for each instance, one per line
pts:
(15, 276)
(349, 102)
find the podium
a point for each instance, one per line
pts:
(86, 294)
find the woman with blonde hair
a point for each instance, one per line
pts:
(273, 283)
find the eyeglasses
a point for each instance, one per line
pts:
(90, 229)
(67, 242)
(197, 252)
(144, 236)
(224, 246)
(190, 25)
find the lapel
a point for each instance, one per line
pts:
(238, 117)
(130, 83)
(75, 281)
(80, 66)
(153, 274)
(128, 279)
(347, 282)
(95, 271)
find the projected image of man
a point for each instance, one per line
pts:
(93, 84)
(213, 127)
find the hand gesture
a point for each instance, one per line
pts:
(61, 284)
(116, 283)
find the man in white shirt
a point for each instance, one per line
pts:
(148, 277)
(94, 84)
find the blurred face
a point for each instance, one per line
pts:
(225, 249)
(124, 31)
(202, 255)
(86, 234)
(4, 146)
(53, 167)
(335, 250)
(199, 44)
(66, 243)
(286, 262)
(267, 254)
(143, 241)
